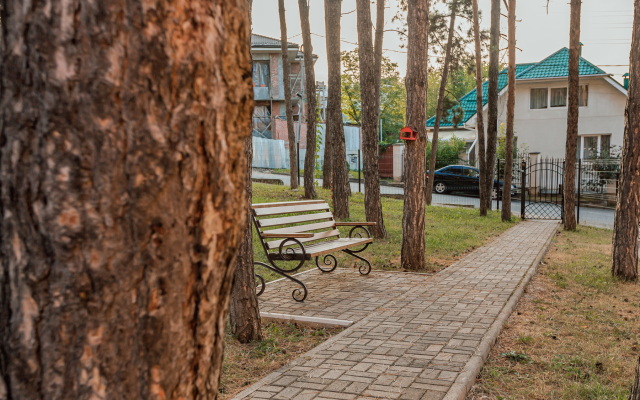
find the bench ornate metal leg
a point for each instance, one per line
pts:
(360, 231)
(364, 269)
(299, 294)
(329, 261)
(286, 253)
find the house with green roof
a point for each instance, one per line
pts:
(541, 109)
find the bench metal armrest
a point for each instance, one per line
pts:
(286, 235)
(356, 223)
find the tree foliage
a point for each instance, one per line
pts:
(393, 95)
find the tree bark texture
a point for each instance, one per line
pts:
(370, 114)
(440, 105)
(572, 119)
(625, 232)
(335, 128)
(511, 103)
(635, 389)
(482, 161)
(122, 173)
(286, 71)
(413, 225)
(310, 89)
(244, 313)
(492, 112)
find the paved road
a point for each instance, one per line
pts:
(415, 336)
(601, 218)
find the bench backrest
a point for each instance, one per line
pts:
(307, 216)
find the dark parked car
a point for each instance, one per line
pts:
(462, 178)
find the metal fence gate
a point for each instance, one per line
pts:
(541, 194)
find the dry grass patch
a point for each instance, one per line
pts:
(245, 364)
(574, 334)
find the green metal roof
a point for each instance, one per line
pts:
(554, 66)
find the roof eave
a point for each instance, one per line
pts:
(555, 78)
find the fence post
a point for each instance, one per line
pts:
(498, 191)
(523, 186)
(359, 185)
(298, 161)
(579, 186)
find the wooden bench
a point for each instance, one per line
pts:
(301, 230)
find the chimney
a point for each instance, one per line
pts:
(580, 49)
(626, 80)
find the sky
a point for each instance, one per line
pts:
(605, 33)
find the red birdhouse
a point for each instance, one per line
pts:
(408, 133)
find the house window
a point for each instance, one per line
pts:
(261, 74)
(538, 98)
(594, 146)
(558, 97)
(583, 98)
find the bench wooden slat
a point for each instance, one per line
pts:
(264, 223)
(321, 235)
(302, 228)
(262, 212)
(318, 249)
(287, 203)
(356, 223)
(289, 235)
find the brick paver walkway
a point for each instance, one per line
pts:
(416, 336)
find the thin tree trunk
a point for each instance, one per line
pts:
(122, 169)
(482, 162)
(492, 113)
(572, 119)
(635, 389)
(625, 233)
(335, 128)
(310, 89)
(413, 225)
(440, 105)
(511, 103)
(244, 313)
(370, 115)
(377, 49)
(286, 71)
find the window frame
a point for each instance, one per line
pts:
(599, 137)
(546, 107)
(566, 96)
(550, 88)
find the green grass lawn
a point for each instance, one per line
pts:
(317, 174)
(574, 334)
(450, 232)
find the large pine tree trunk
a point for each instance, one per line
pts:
(625, 233)
(511, 103)
(310, 94)
(572, 119)
(492, 112)
(122, 170)
(370, 115)
(335, 128)
(482, 162)
(635, 389)
(440, 105)
(286, 72)
(413, 243)
(244, 314)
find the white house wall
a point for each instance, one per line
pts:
(544, 130)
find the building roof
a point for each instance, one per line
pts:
(554, 66)
(259, 41)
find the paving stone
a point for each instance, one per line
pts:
(413, 334)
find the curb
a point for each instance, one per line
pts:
(466, 379)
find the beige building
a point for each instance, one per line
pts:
(541, 109)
